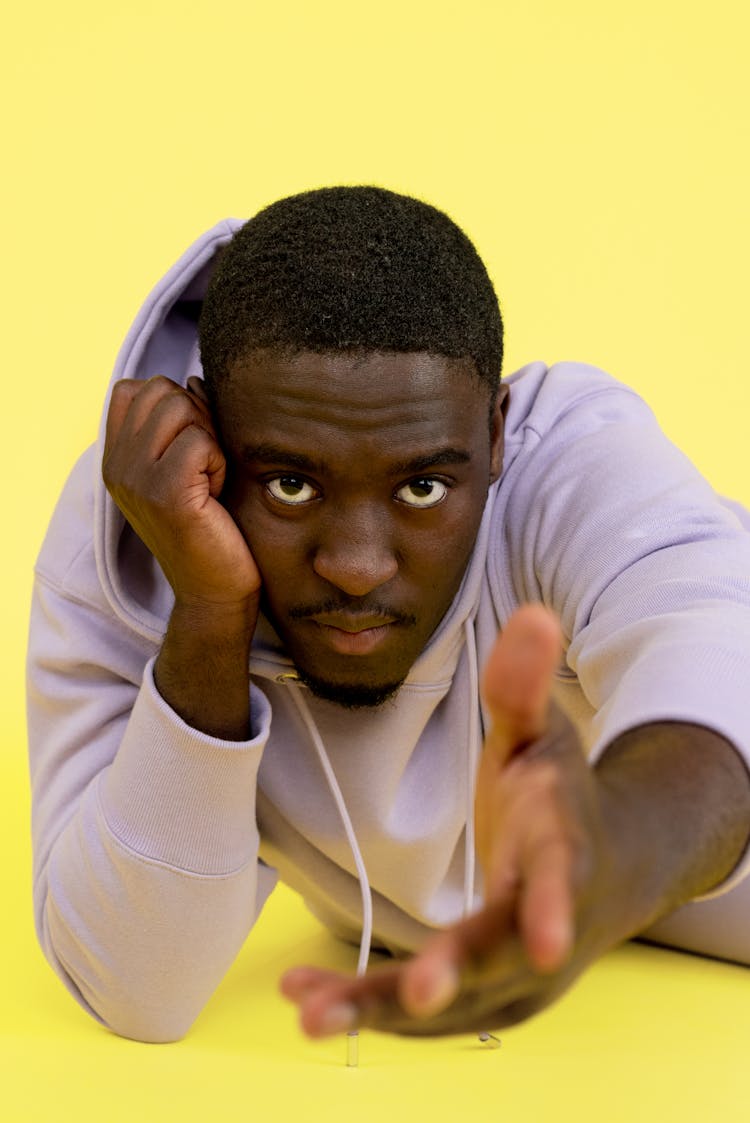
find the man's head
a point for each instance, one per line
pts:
(352, 344)
(351, 268)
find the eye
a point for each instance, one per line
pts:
(426, 492)
(291, 490)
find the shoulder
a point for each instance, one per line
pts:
(541, 397)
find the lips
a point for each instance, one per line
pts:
(354, 635)
(352, 624)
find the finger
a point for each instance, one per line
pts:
(195, 457)
(517, 680)
(331, 1003)
(546, 857)
(494, 834)
(528, 858)
(123, 394)
(342, 1003)
(158, 414)
(146, 397)
(513, 805)
(546, 907)
(482, 945)
(328, 999)
(430, 982)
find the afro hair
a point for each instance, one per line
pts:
(351, 269)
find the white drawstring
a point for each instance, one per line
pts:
(333, 784)
(476, 737)
(472, 761)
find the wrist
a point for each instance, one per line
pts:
(640, 882)
(232, 617)
(202, 670)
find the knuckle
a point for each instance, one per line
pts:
(532, 782)
(159, 381)
(547, 777)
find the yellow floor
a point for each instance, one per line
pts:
(595, 154)
(647, 1035)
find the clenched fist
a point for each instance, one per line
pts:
(165, 470)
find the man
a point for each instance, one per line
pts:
(258, 652)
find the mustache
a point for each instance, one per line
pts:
(353, 608)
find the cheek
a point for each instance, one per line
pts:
(442, 566)
(278, 545)
(263, 533)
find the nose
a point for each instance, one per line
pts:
(355, 554)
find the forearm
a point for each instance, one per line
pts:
(676, 807)
(202, 668)
(140, 944)
(151, 888)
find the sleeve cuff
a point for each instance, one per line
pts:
(738, 874)
(178, 796)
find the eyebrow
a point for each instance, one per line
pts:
(275, 454)
(441, 457)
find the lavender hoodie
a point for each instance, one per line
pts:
(156, 846)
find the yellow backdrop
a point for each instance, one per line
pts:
(598, 156)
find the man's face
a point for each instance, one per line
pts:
(359, 483)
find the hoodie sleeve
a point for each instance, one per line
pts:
(648, 569)
(146, 871)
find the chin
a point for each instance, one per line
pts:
(350, 696)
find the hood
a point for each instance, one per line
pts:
(164, 340)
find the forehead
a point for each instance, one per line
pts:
(373, 398)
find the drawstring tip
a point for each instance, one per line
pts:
(352, 1049)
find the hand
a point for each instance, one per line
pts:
(550, 903)
(165, 470)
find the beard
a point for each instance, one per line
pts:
(350, 696)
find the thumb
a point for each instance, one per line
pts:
(516, 686)
(517, 680)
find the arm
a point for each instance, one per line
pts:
(605, 522)
(679, 796)
(575, 859)
(146, 872)
(165, 470)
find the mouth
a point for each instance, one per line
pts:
(351, 623)
(354, 635)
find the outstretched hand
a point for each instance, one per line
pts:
(550, 906)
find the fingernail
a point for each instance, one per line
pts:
(442, 989)
(557, 946)
(339, 1018)
(562, 937)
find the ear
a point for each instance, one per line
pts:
(497, 431)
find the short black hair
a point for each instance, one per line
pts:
(350, 269)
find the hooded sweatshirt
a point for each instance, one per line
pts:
(156, 846)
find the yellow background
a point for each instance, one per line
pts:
(598, 156)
